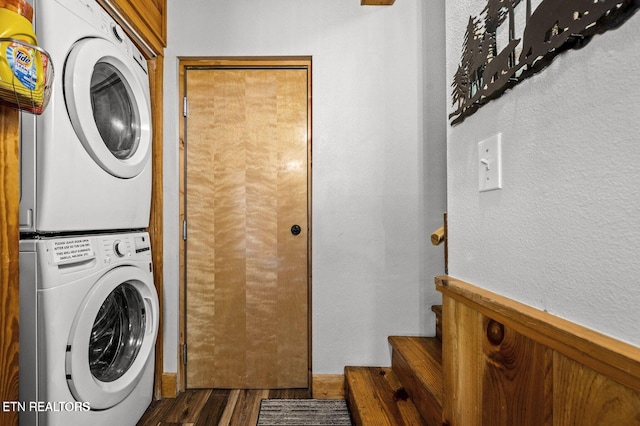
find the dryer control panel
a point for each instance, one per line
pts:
(91, 12)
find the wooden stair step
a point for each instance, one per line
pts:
(437, 309)
(377, 398)
(417, 362)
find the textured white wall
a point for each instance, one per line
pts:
(374, 204)
(563, 234)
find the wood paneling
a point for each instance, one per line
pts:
(514, 369)
(461, 363)
(584, 397)
(247, 171)
(9, 261)
(506, 363)
(613, 358)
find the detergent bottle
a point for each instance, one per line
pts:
(22, 64)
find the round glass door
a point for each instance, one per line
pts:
(117, 333)
(114, 112)
(107, 98)
(112, 337)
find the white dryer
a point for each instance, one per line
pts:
(88, 324)
(86, 161)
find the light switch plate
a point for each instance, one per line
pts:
(490, 163)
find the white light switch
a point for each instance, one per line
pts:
(490, 163)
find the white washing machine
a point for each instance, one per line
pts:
(88, 324)
(86, 161)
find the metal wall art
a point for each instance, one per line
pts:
(513, 39)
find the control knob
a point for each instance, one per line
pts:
(118, 32)
(119, 248)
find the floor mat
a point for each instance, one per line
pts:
(303, 412)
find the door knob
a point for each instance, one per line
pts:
(295, 229)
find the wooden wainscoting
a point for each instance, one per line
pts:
(506, 363)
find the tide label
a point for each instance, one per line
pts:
(23, 64)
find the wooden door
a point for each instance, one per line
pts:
(246, 153)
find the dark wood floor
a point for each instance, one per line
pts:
(211, 407)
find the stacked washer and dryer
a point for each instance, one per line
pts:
(88, 305)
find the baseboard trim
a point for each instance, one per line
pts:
(327, 386)
(168, 385)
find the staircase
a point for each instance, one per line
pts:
(409, 393)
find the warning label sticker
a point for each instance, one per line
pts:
(72, 250)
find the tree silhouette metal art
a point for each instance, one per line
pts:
(484, 73)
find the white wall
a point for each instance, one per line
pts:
(563, 234)
(374, 203)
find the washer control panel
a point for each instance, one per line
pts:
(105, 249)
(126, 246)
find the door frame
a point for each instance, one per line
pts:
(228, 62)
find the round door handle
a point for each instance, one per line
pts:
(295, 229)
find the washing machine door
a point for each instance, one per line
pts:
(108, 104)
(112, 337)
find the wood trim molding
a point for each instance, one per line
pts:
(327, 386)
(156, 76)
(377, 2)
(244, 61)
(189, 62)
(182, 327)
(613, 358)
(169, 385)
(9, 261)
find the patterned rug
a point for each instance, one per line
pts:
(303, 412)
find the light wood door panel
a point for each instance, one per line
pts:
(246, 185)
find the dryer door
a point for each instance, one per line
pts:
(112, 337)
(108, 104)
